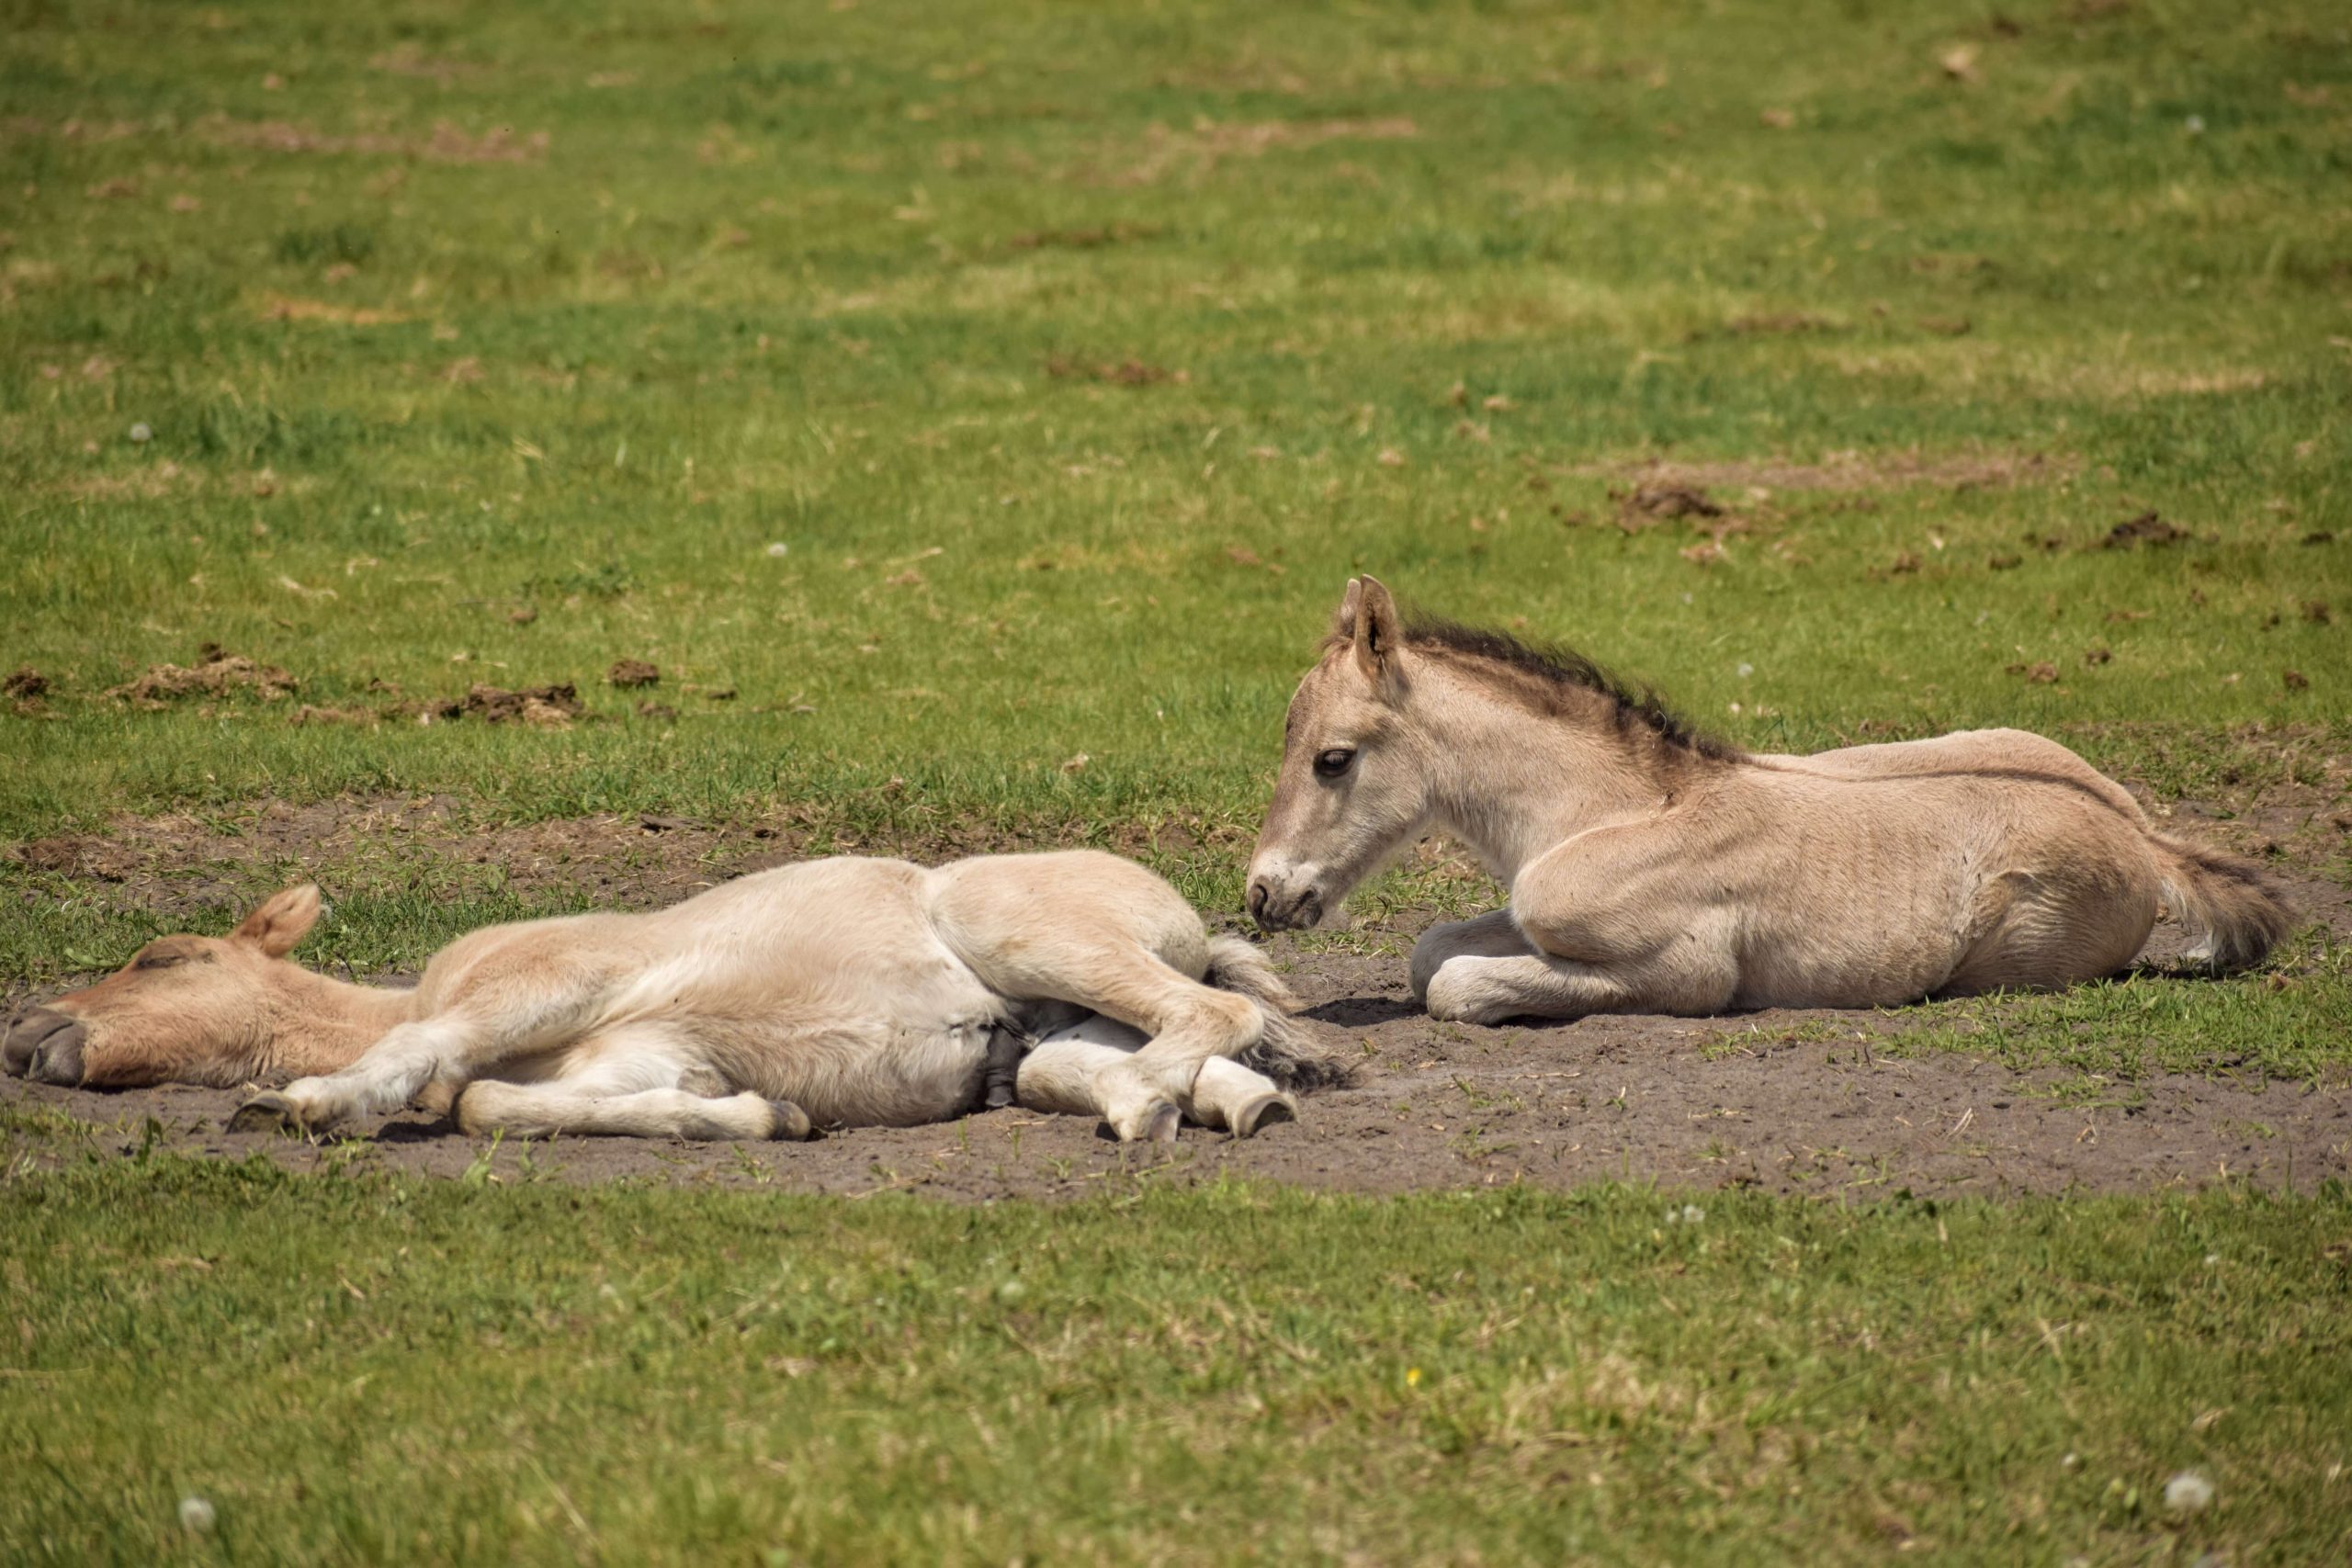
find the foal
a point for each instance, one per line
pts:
(834, 993)
(1652, 869)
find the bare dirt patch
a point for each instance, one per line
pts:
(1842, 471)
(1789, 1101)
(1797, 1101)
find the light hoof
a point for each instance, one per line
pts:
(271, 1113)
(1157, 1124)
(792, 1124)
(1266, 1110)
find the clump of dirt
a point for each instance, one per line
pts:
(548, 707)
(628, 673)
(2145, 529)
(219, 673)
(1646, 504)
(26, 690)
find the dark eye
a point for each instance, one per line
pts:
(159, 960)
(1331, 764)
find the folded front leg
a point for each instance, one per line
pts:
(1490, 935)
(386, 1076)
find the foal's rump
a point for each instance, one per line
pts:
(2047, 871)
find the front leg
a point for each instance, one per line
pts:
(1477, 988)
(386, 1076)
(1490, 935)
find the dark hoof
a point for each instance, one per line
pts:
(792, 1123)
(265, 1113)
(1272, 1110)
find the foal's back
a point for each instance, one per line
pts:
(2016, 756)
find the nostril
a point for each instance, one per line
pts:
(58, 1059)
(1258, 894)
(25, 1036)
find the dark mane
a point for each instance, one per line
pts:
(1548, 669)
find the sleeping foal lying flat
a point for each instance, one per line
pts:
(1653, 871)
(834, 993)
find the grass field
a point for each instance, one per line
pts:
(974, 413)
(390, 1371)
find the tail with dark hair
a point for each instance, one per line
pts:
(1287, 1052)
(2232, 909)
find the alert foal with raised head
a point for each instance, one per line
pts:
(1653, 870)
(834, 993)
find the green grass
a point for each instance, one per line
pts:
(971, 389)
(2287, 1024)
(395, 1370)
(841, 282)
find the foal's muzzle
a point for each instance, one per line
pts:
(45, 1047)
(1277, 911)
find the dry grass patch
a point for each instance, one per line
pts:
(1843, 471)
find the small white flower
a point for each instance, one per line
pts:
(2072, 1461)
(1745, 671)
(779, 549)
(140, 433)
(196, 1514)
(2212, 1260)
(2196, 124)
(1692, 1213)
(2187, 1493)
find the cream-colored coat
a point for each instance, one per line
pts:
(1650, 872)
(834, 993)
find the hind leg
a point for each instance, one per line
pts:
(1102, 933)
(544, 1110)
(1063, 1072)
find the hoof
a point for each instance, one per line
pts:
(266, 1113)
(791, 1124)
(1158, 1124)
(1268, 1111)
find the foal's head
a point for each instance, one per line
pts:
(1401, 726)
(1349, 788)
(184, 1010)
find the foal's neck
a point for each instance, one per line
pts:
(318, 1024)
(1515, 782)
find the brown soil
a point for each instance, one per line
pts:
(219, 673)
(1815, 1102)
(1845, 471)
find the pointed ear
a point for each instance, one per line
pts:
(282, 922)
(1379, 629)
(1343, 619)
